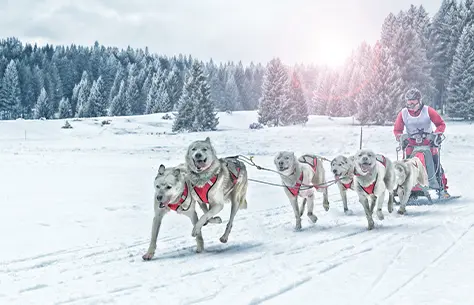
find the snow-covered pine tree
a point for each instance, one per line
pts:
(274, 93)
(441, 49)
(196, 108)
(42, 106)
(389, 30)
(185, 116)
(385, 88)
(10, 94)
(152, 98)
(132, 95)
(119, 105)
(65, 110)
(82, 96)
(231, 100)
(295, 111)
(205, 117)
(97, 102)
(163, 99)
(460, 101)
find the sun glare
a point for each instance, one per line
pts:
(331, 50)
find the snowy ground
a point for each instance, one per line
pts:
(76, 212)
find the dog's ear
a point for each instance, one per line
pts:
(176, 172)
(161, 170)
(208, 140)
(344, 158)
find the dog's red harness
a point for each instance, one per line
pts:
(296, 189)
(184, 196)
(348, 185)
(370, 188)
(203, 191)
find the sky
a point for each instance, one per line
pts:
(297, 31)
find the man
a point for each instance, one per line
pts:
(417, 116)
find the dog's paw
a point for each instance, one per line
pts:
(224, 239)
(348, 212)
(390, 208)
(380, 215)
(312, 217)
(326, 205)
(298, 225)
(370, 225)
(401, 211)
(215, 220)
(148, 256)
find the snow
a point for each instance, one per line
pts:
(76, 212)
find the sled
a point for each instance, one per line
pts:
(422, 144)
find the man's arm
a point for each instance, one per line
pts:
(437, 120)
(398, 126)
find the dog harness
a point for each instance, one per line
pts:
(203, 191)
(370, 188)
(314, 163)
(348, 185)
(184, 196)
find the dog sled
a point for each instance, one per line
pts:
(423, 144)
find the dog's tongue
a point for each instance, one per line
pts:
(365, 167)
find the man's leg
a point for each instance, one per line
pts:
(441, 177)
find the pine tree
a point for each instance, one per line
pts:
(231, 98)
(120, 105)
(42, 106)
(97, 102)
(132, 95)
(174, 85)
(196, 108)
(274, 93)
(163, 100)
(296, 110)
(10, 94)
(65, 110)
(461, 83)
(152, 97)
(83, 92)
(441, 50)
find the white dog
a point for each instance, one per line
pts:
(409, 173)
(172, 192)
(214, 181)
(343, 169)
(374, 174)
(301, 177)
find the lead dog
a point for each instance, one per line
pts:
(299, 176)
(409, 173)
(172, 193)
(374, 174)
(214, 181)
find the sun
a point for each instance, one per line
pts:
(331, 50)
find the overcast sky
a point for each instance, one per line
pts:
(318, 31)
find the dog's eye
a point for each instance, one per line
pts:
(168, 187)
(157, 186)
(204, 149)
(193, 149)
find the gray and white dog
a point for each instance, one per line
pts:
(301, 177)
(409, 173)
(172, 192)
(342, 168)
(374, 174)
(214, 181)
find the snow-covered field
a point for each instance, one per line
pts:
(76, 210)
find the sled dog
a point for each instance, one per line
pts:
(214, 181)
(172, 192)
(299, 176)
(342, 168)
(374, 174)
(409, 173)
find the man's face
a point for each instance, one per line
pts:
(413, 104)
